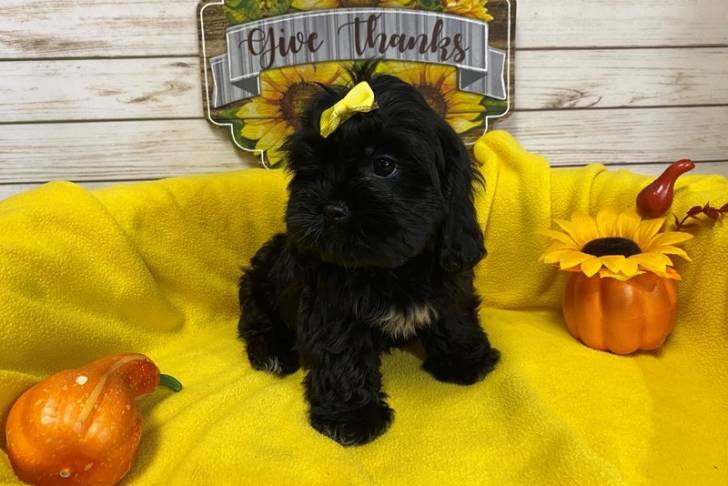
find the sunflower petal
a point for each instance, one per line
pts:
(627, 224)
(630, 268)
(557, 246)
(442, 77)
(566, 258)
(573, 260)
(552, 249)
(567, 226)
(607, 223)
(403, 70)
(613, 262)
(554, 256)
(313, 4)
(647, 230)
(653, 262)
(256, 129)
(672, 250)
(591, 267)
(462, 102)
(327, 73)
(558, 236)
(394, 3)
(274, 83)
(461, 124)
(658, 257)
(667, 238)
(581, 228)
(274, 137)
(275, 156)
(259, 108)
(586, 222)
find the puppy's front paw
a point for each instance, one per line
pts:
(271, 356)
(354, 427)
(462, 370)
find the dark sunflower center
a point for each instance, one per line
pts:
(294, 102)
(611, 246)
(434, 98)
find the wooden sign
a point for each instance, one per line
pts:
(263, 59)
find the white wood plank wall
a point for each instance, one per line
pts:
(104, 91)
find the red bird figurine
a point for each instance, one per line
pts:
(655, 200)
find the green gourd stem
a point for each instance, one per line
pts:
(170, 382)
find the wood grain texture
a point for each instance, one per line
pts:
(620, 23)
(152, 110)
(721, 168)
(96, 28)
(623, 136)
(158, 148)
(92, 28)
(120, 89)
(558, 79)
(115, 150)
(99, 89)
(702, 168)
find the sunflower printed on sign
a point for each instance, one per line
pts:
(327, 4)
(438, 84)
(467, 8)
(270, 118)
(238, 11)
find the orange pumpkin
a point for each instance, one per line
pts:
(81, 426)
(620, 316)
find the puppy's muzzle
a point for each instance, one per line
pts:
(336, 212)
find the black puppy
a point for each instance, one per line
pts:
(382, 239)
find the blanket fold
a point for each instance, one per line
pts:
(153, 268)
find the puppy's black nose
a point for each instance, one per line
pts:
(336, 211)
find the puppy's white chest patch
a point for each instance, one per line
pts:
(404, 324)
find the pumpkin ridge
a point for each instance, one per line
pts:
(602, 324)
(641, 308)
(101, 384)
(574, 292)
(582, 284)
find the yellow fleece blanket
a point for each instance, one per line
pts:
(154, 267)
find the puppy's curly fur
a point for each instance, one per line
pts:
(380, 247)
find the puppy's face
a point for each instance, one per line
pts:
(371, 194)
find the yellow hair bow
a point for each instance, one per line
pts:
(359, 99)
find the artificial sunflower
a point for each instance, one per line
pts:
(274, 115)
(438, 84)
(239, 11)
(328, 4)
(468, 8)
(615, 245)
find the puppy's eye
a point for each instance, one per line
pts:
(384, 167)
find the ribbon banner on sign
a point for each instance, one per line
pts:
(262, 58)
(340, 35)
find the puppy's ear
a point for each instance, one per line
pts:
(461, 239)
